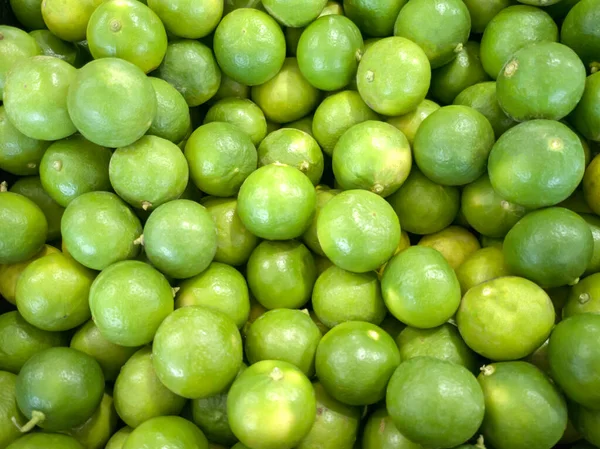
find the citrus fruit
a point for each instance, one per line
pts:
(398, 85)
(221, 156)
(591, 187)
(355, 361)
(197, 352)
(372, 156)
(586, 422)
(594, 223)
(231, 88)
(234, 242)
(99, 229)
(16, 46)
(410, 122)
(96, 431)
(374, 19)
(166, 432)
(510, 30)
(482, 12)
(579, 32)
(139, 395)
(413, 295)
(404, 243)
(516, 175)
(574, 358)
(249, 46)
(303, 124)
(277, 202)
(296, 13)
(125, 293)
(455, 243)
(481, 266)
(329, 51)
(114, 114)
(524, 96)
(9, 410)
(219, 287)
(310, 237)
(336, 114)
(452, 145)
(118, 439)
(242, 113)
(506, 318)
(292, 35)
(586, 116)
(381, 432)
(68, 19)
(552, 247)
(439, 28)
(59, 388)
(271, 404)
(583, 297)
(341, 295)
(423, 206)
(450, 389)
(23, 228)
(190, 67)
(358, 230)
(188, 19)
(41, 439)
(29, 13)
(53, 46)
(281, 274)
(172, 120)
(294, 148)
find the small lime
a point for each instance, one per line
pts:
(172, 120)
(410, 122)
(242, 113)
(480, 266)
(455, 243)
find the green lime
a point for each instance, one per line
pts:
(277, 202)
(249, 46)
(166, 432)
(59, 388)
(172, 120)
(310, 238)
(355, 361)
(440, 28)
(191, 68)
(294, 148)
(234, 242)
(373, 156)
(44, 440)
(303, 124)
(450, 389)
(579, 31)
(139, 395)
(380, 432)
(23, 228)
(221, 156)
(53, 46)
(584, 297)
(404, 243)
(292, 35)
(480, 266)
(68, 19)
(197, 352)
(358, 230)
(114, 114)
(482, 12)
(129, 30)
(410, 122)
(242, 113)
(505, 318)
(586, 116)
(591, 186)
(510, 30)
(454, 243)
(551, 247)
(29, 13)
(586, 422)
(516, 175)
(9, 410)
(594, 223)
(341, 295)
(329, 51)
(16, 45)
(97, 430)
(322, 263)
(98, 229)
(452, 145)
(374, 19)
(188, 19)
(230, 88)
(118, 439)
(296, 13)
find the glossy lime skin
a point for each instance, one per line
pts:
(53, 46)
(481, 266)
(35, 97)
(112, 114)
(9, 409)
(281, 274)
(523, 408)
(118, 439)
(552, 247)
(242, 113)
(249, 46)
(29, 13)
(372, 156)
(452, 145)
(277, 202)
(190, 331)
(586, 422)
(440, 28)
(166, 432)
(374, 18)
(579, 31)
(284, 334)
(19, 154)
(188, 19)
(74, 166)
(190, 67)
(523, 95)
(586, 116)
(341, 295)
(126, 294)
(450, 389)
(510, 30)
(64, 384)
(235, 242)
(298, 13)
(52, 293)
(43, 440)
(221, 156)
(99, 229)
(574, 358)
(16, 45)
(23, 228)
(355, 361)
(505, 318)
(172, 120)
(329, 51)
(310, 237)
(139, 395)
(482, 12)
(342, 230)
(271, 405)
(420, 288)
(516, 175)
(396, 87)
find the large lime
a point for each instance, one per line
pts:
(188, 19)
(579, 31)
(481, 266)
(16, 45)
(172, 120)
(166, 432)
(242, 113)
(586, 116)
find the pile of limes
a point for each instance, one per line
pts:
(300, 224)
